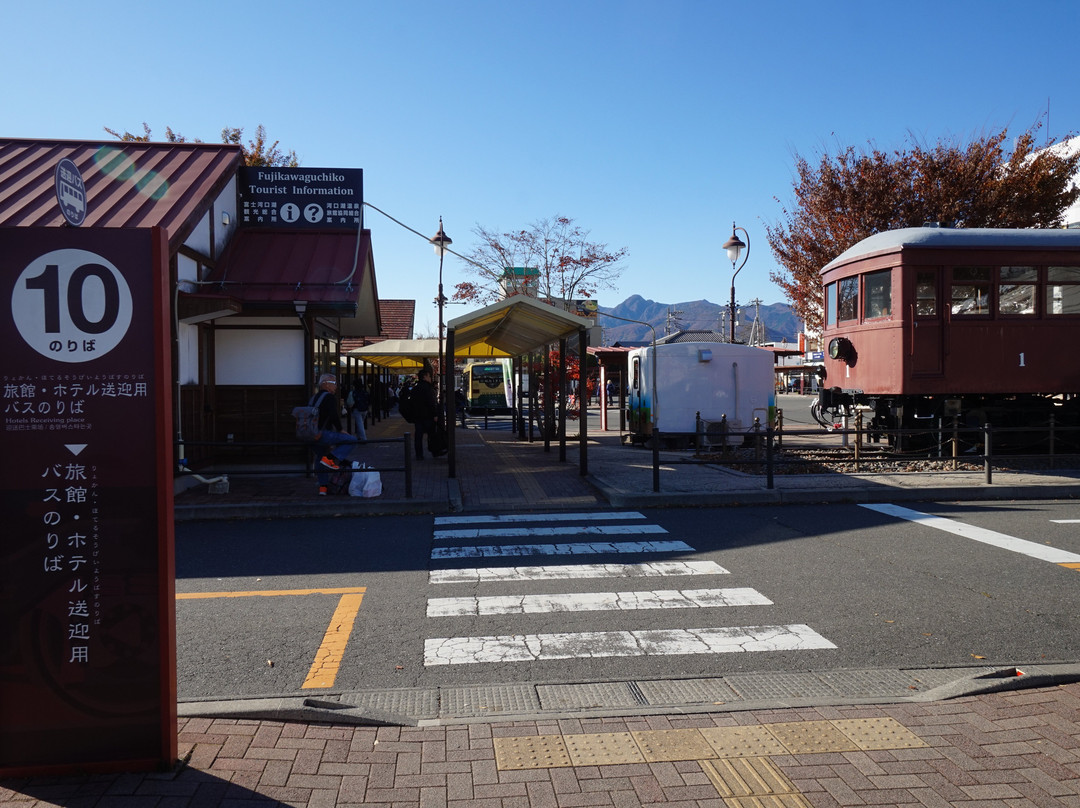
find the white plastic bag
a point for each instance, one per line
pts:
(364, 483)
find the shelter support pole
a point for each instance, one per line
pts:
(450, 403)
(522, 412)
(603, 397)
(549, 405)
(562, 400)
(583, 437)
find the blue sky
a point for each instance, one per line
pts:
(653, 125)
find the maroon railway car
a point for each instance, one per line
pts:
(930, 326)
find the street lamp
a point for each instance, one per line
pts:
(734, 247)
(441, 242)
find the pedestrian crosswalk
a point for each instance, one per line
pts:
(459, 538)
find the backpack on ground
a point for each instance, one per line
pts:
(407, 404)
(307, 419)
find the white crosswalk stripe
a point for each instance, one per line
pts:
(573, 530)
(516, 518)
(595, 602)
(592, 644)
(519, 646)
(580, 548)
(653, 569)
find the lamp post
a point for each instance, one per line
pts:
(734, 247)
(441, 242)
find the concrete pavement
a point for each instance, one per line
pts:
(979, 736)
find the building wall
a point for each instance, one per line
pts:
(254, 356)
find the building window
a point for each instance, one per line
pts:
(1062, 290)
(970, 292)
(1016, 290)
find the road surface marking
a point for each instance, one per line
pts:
(581, 530)
(324, 669)
(653, 569)
(273, 593)
(328, 658)
(591, 516)
(1065, 521)
(991, 537)
(594, 602)
(540, 647)
(583, 548)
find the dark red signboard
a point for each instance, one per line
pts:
(87, 637)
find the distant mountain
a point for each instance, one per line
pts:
(779, 321)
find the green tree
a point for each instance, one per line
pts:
(257, 152)
(570, 266)
(854, 194)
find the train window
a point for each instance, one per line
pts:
(1062, 290)
(970, 292)
(926, 294)
(830, 304)
(877, 295)
(1016, 290)
(847, 298)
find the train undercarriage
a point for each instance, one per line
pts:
(1028, 424)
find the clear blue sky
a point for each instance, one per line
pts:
(653, 125)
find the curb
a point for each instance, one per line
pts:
(625, 698)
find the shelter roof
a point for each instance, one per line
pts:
(409, 354)
(515, 325)
(128, 183)
(272, 268)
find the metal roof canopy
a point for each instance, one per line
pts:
(515, 326)
(409, 354)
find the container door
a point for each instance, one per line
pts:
(926, 324)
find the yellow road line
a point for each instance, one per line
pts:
(328, 658)
(1073, 565)
(347, 590)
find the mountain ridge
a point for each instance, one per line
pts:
(778, 319)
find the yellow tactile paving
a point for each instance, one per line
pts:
(603, 749)
(735, 759)
(531, 752)
(878, 733)
(665, 745)
(809, 737)
(747, 777)
(769, 801)
(749, 741)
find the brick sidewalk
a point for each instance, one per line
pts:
(1016, 748)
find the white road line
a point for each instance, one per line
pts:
(653, 569)
(574, 530)
(582, 548)
(1065, 521)
(591, 516)
(594, 602)
(1005, 542)
(656, 642)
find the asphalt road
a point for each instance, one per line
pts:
(299, 607)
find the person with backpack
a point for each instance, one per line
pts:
(359, 401)
(331, 435)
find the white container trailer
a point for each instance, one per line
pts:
(716, 381)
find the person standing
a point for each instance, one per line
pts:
(425, 410)
(360, 403)
(331, 435)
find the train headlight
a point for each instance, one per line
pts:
(840, 348)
